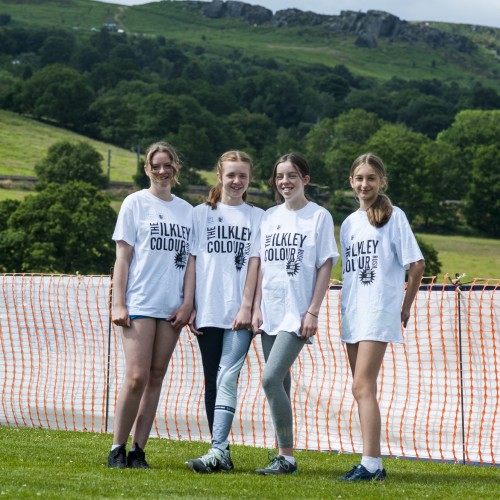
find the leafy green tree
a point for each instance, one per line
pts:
(374, 99)
(482, 203)
(332, 145)
(7, 207)
(334, 85)
(158, 115)
(274, 93)
(66, 162)
(318, 142)
(427, 114)
(257, 129)
(194, 145)
(444, 187)
(471, 129)
(114, 119)
(58, 93)
(62, 229)
(10, 88)
(57, 48)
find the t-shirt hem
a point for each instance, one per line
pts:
(373, 339)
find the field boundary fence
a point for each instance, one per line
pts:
(61, 366)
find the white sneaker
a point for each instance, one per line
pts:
(215, 460)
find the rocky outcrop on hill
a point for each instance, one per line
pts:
(367, 27)
(253, 14)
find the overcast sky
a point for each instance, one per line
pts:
(481, 12)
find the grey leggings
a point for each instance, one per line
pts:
(280, 352)
(234, 351)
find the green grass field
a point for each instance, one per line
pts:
(476, 257)
(60, 464)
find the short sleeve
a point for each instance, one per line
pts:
(126, 224)
(326, 246)
(405, 243)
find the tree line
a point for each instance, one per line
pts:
(66, 226)
(438, 139)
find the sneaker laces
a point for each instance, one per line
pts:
(212, 458)
(278, 462)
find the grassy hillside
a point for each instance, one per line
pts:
(23, 142)
(302, 45)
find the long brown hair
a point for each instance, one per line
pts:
(215, 193)
(164, 147)
(380, 210)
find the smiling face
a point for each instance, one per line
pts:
(290, 183)
(366, 183)
(234, 179)
(161, 170)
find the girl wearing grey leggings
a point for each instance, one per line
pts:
(297, 252)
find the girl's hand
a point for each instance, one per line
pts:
(257, 321)
(309, 325)
(180, 317)
(405, 316)
(120, 316)
(192, 328)
(243, 319)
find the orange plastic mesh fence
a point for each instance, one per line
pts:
(61, 365)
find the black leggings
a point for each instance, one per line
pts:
(211, 351)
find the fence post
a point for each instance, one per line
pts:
(458, 291)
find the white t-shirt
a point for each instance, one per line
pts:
(224, 239)
(160, 232)
(374, 261)
(294, 245)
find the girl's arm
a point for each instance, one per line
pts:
(414, 277)
(181, 316)
(120, 316)
(256, 312)
(309, 325)
(243, 318)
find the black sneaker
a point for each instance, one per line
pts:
(279, 465)
(360, 473)
(214, 461)
(136, 459)
(117, 458)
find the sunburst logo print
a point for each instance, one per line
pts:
(292, 267)
(239, 261)
(180, 260)
(367, 276)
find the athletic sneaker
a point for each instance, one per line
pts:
(360, 473)
(279, 465)
(136, 459)
(215, 460)
(117, 458)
